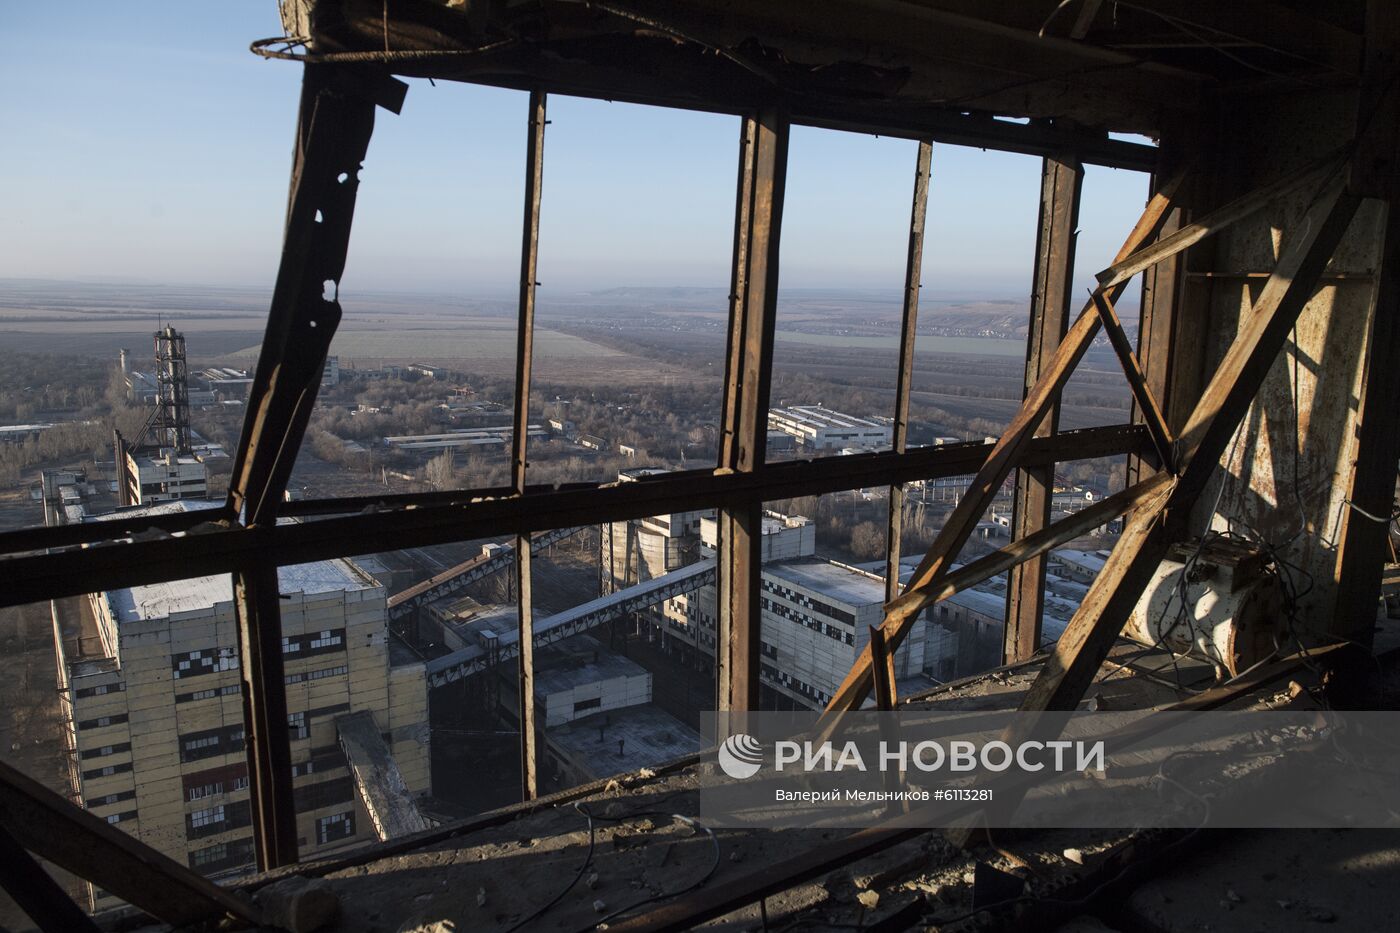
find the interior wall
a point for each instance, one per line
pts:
(1287, 472)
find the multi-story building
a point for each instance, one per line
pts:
(818, 428)
(170, 475)
(816, 617)
(647, 548)
(152, 687)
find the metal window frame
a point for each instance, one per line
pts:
(244, 538)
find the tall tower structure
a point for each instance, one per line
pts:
(160, 463)
(171, 423)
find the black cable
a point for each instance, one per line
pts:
(667, 895)
(587, 860)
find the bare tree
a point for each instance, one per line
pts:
(440, 471)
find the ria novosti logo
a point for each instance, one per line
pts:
(741, 756)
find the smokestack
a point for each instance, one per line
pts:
(124, 356)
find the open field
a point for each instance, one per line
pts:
(979, 346)
(204, 345)
(626, 338)
(471, 342)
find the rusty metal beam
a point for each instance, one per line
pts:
(72, 838)
(529, 264)
(1157, 329)
(333, 132)
(915, 58)
(1061, 184)
(118, 526)
(524, 356)
(744, 445)
(525, 670)
(1147, 405)
(335, 122)
(908, 334)
(1006, 453)
(914, 600)
(1114, 593)
(418, 522)
(882, 667)
(1371, 491)
(257, 604)
(1127, 266)
(36, 893)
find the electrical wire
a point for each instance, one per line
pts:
(587, 860)
(1051, 18)
(264, 48)
(667, 895)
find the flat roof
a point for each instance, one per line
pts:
(818, 417)
(158, 600)
(649, 736)
(1085, 559)
(163, 507)
(556, 672)
(841, 583)
(979, 601)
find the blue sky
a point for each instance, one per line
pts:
(150, 145)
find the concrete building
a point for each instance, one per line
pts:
(816, 613)
(643, 549)
(1080, 566)
(469, 437)
(20, 433)
(587, 680)
(141, 387)
(818, 428)
(166, 476)
(149, 678)
(330, 376)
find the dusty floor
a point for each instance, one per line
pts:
(639, 852)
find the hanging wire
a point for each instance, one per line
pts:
(265, 48)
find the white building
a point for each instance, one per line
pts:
(818, 428)
(149, 679)
(164, 477)
(816, 617)
(466, 438)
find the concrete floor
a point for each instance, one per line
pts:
(1279, 882)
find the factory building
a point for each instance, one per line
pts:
(150, 683)
(466, 438)
(165, 475)
(818, 428)
(816, 613)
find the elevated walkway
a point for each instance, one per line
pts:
(505, 645)
(378, 780)
(405, 602)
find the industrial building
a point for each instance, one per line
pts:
(818, 428)
(160, 462)
(150, 687)
(1261, 455)
(464, 438)
(816, 613)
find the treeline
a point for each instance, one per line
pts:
(32, 384)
